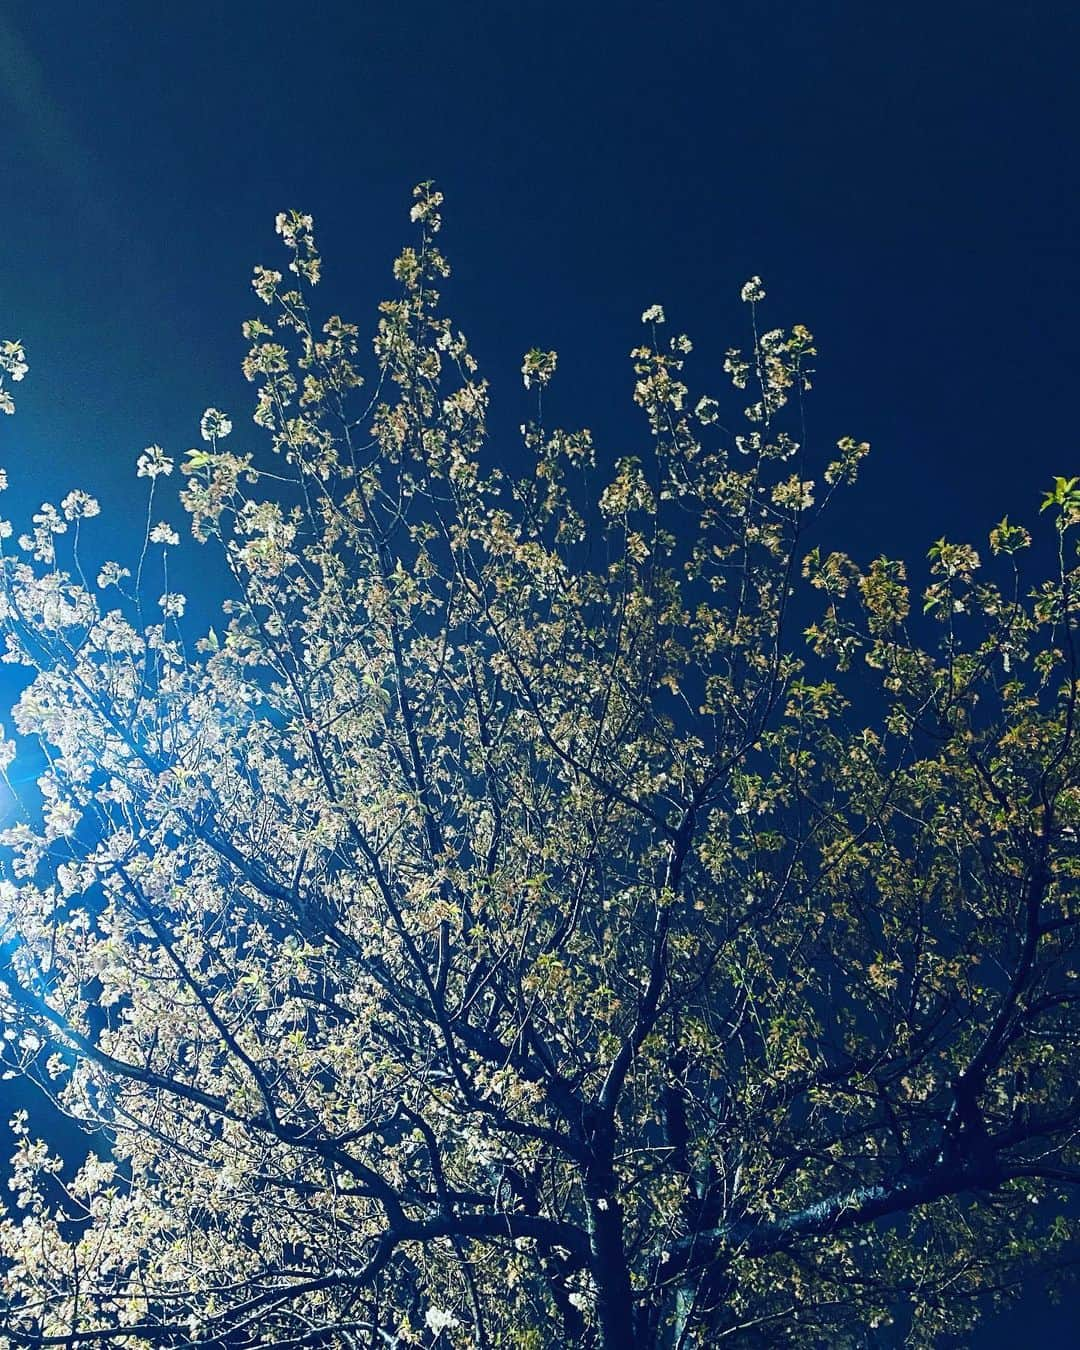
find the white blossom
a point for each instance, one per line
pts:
(111, 574)
(439, 1320)
(13, 359)
(61, 818)
(153, 461)
(538, 367)
(214, 426)
(79, 506)
(12, 364)
(163, 533)
(265, 283)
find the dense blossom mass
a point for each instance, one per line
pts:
(564, 906)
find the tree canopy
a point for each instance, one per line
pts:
(567, 902)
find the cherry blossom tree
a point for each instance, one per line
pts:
(538, 915)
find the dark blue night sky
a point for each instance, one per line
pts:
(902, 176)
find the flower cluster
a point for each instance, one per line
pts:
(12, 364)
(298, 232)
(538, 367)
(153, 463)
(214, 425)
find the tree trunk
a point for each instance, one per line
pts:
(614, 1298)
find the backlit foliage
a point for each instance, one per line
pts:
(563, 905)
